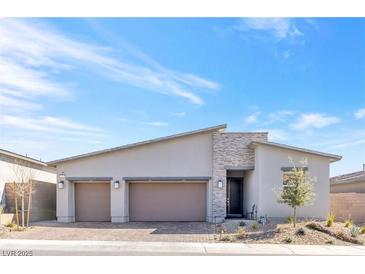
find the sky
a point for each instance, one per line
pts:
(71, 86)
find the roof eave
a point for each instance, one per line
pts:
(332, 157)
(151, 141)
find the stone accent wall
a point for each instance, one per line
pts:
(230, 150)
(348, 205)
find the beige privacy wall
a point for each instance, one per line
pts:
(348, 205)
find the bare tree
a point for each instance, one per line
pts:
(21, 187)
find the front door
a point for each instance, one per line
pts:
(234, 197)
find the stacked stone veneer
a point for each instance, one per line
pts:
(229, 150)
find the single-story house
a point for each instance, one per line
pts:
(201, 175)
(12, 167)
(348, 196)
(350, 182)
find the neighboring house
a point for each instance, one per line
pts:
(348, 196)
(350, 182)
(43, 204)
(202, 175)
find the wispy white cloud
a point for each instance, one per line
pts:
(360, 114)
(158, 124)
(181, 114)
(279, 28)
(48, 124)
(279, 116)
(252, 119)
(314, 120)
(275, 135)
(32, 46)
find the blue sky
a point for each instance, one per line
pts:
(70, 86)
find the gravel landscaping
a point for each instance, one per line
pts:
(279, 233)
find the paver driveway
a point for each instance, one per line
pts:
(133, 231)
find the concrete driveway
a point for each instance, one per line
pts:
(133, 231)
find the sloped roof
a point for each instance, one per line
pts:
(151, 141)
(353, 177)
(333, 157)
(21, 157)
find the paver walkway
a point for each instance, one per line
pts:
(43, 247)
(133, 231)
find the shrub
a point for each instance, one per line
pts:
(355, 231)
(348, 223)
(290, 220)
(254, 226)
(226, 238)
(362, 230)
(10, 225)
(288, 240)
(330, 242)
(241, 233)
(242, 224)
(301, 231)
(330, 219)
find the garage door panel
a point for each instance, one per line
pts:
(167, 201)
(92, 202)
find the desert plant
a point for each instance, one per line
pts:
(10, 225)
(330, 242)
(254, 226)
(242, 224)
(330, 219)
(348, 223)
(362, 230)
(355, 231)
(290, 220)
(241, 233)
(226, 237)
(301, 231)
(297, 189)
(288, 240)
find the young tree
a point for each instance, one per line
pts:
(297, 189)
(21, 187)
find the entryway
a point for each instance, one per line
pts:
(234, 197)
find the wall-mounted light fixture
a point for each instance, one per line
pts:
(220, 184)
(116, 184)
(61, 184)
(62, 176)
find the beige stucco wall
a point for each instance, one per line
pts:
(180, 157)
(41, 173)
(357, 187)
(269, 161)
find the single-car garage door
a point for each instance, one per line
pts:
(92, 202)
(167, 201)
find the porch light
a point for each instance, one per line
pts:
(61, 184)
(220, 184)
(116, 184)
(62, 176)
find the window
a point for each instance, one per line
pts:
(289, 176)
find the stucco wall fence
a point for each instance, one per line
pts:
(348, 205)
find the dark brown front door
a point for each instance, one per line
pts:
(234, 197)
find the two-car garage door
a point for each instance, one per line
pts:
(148, 201)
(167, 201)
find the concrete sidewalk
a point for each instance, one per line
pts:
(54, 247)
